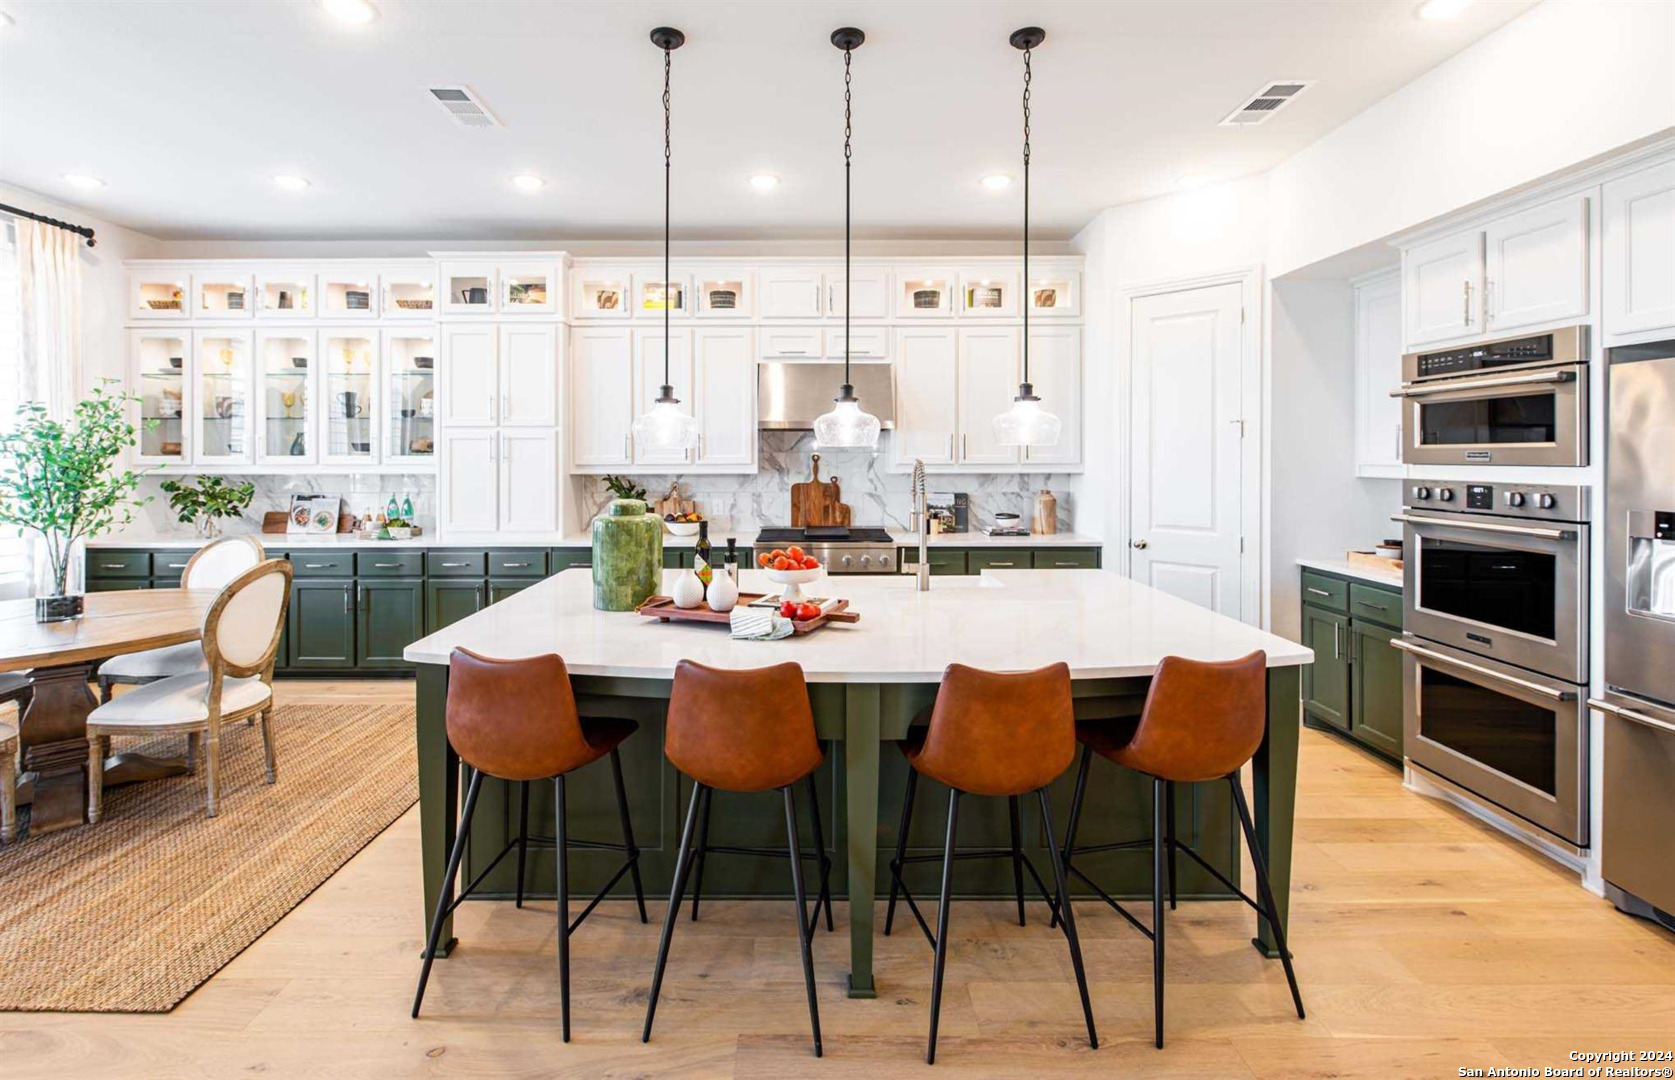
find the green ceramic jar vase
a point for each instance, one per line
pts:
(627, 555)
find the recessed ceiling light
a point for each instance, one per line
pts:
(86, 183)
(291, 183)
(353, 12)
(764, 181)
(997, 182)
(528, 182)
(1434, 10)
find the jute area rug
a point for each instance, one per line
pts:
(134, 913)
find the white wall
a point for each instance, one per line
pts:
(1568, 81)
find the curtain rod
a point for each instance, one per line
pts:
(79, 230)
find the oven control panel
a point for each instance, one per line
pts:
(1553, 502)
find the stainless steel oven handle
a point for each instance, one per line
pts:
(1544, 691)
(1631, 715)
(1449, 385)
(1484, 526)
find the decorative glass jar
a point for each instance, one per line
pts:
(60, 571)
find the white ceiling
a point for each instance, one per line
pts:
(187, 108)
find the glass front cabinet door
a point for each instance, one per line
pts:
(468, 288)
(349, 294)
(222, 407)
(924, 294)
(410, 292)
(159, 293)
(223, 295)
(1054, 292)
(285, 294)
(285, 395)
(529, 288)
(654, 296)
(158, 361)
(989, 293)
(725, 294)
(600, 292)
(410, 378)
(349, 367)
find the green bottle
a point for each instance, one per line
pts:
(392, 510)
(407, 508)
(701, 556)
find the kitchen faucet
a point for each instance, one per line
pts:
(921, 515)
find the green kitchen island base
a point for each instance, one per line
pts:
(860, 788)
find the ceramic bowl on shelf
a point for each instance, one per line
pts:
(790, 582)
(424, 363)
(682, 528)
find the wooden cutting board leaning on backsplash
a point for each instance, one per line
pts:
(817, 502)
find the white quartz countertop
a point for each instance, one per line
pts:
(746, 538)
(1100, 623)
(1391, 578)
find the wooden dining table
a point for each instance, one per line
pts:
(61, 659)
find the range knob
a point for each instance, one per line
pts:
(1420, 491)
(866, 561)
(1515, 498)
(884, 561)
(847, 560)
(1547, 500)
(1445, 494)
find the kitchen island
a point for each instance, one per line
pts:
(867, 681)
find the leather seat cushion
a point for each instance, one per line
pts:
(179, 699)
(605, 733)
(1107, 737)
(182, 659)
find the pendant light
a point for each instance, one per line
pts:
(846, 425)
(1026, 423)
(665, 426)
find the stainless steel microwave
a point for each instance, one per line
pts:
(1510, 401)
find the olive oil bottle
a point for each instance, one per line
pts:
(701, 556)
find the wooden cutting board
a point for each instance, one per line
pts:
(817, 502)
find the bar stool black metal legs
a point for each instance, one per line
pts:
(822, 899)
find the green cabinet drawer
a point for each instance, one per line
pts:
(1326, 592)
(1066, 558)
(339, 564)
(1326, 681)
(1379, 605)
(390, 564)
(390, 616)
(169, 564)
(565, 558)
(322, 624)
(997, 559)
(943, 560)
(518, 564)
(457, 563)
(124, 564)
(449, 601)
(1376, 698)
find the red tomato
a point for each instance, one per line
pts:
(794, 553)
(808, 611)
(788, 610)
(776, 553)
(764, 560)
(811, 563)
(781, 563)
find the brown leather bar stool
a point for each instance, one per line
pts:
(1202, 722)
(516, 720)
(992, 733)
(742, 731)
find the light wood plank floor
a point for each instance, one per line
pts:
(1425, 943)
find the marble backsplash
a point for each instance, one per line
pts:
(876, 496)
(360, 492)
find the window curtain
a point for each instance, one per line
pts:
(49, 301)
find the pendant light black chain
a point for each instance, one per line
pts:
(848, 154)
(667, 296)
(1027, 294)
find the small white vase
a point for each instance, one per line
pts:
(723, 595)
(688, 591)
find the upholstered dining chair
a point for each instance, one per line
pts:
(14, 687)
(210, 567)
(241, 636)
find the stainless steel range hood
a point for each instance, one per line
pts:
(790, 394)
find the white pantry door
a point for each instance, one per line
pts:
(1185, 430)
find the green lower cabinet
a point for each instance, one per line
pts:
(449, 601)
(1326, 681)
(390, 616)
(1376, 678)
(322, 630)
(678, 558)
(566, 558)
(501, 588)
(999, 559)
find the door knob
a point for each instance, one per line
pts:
(1137, 544)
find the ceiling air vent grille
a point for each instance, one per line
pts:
(463, 105)
(1265, 102)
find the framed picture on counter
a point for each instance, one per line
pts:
(313, 514)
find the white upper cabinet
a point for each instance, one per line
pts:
(1054, 290)
(528, 459)
(159, 377)
(652, 295)
(1639, 251)
(724, 293)
(600, 389)
(791, 342)
(409, 291)
(528, 375)
(925, 292)
(988, 381)
(528, 288)
(648, 352)
(926, 416)
(1055, 370)
(223, 294)
(410, 394)
(1536, 264)
(724, 393)
(468, 496)
(348, 292)
(468, 288)
(1378, 370)
(284, 294)
(159, 292)
(1442, 288)
(600, 292)
(868, 290)
(790, 292)
(865, 342)
(222, 402)
(988, 294)
(469, 384)
(286, 395)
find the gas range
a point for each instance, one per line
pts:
(841, 549)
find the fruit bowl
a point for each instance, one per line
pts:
(682, 528)
(791, 581)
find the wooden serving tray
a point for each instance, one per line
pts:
(663, 609)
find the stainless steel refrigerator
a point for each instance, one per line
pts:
(1637, 836)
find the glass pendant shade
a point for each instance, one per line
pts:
(847, 426)
(1026, 423)
(665, 427)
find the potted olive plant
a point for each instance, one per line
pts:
(59, 479)
(205, 503)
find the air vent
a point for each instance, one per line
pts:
(1266, 102)
(464, 106)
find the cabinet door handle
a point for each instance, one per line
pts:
(480, 596)
(963, 451)
(1489, 298)
(1317, 592)
(360, 595)
(794, 352)
(176, 566)
(454, 565)
(1465, 308)
(1337, 641)
(490, 408)
(114, 566)
(513, 565)
(626, 452)
(950, 448)
(316, 566)
(385, 565)
(345, 599)
(505, 410)
(1370, 604)
(993, 563)
(1070, 565)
